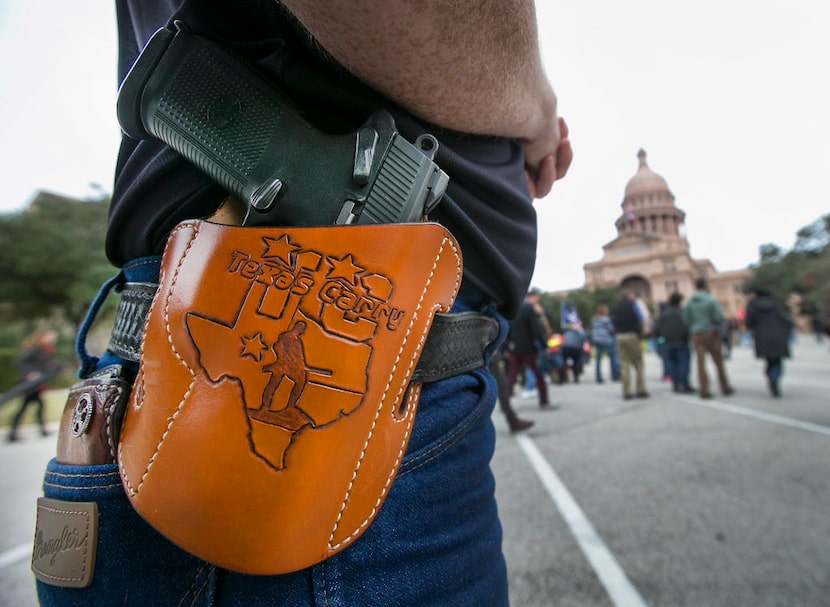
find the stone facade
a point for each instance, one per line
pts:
(651, 253)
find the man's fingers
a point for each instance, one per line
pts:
(540, 179)
(564, 157)
(563, 128)
(531, 185)
(545, 176)
(564, 153)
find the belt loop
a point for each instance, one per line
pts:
(88, 363)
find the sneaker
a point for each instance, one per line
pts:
(643, 395)
(706, 395)
(729, 391)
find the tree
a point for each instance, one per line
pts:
(585, 302)
(804, 269)
(813, 238)
(53, 261)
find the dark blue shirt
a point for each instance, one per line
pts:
(486, 207)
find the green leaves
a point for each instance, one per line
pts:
(52, 258)
(804, 269)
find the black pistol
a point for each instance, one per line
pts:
(226, 118)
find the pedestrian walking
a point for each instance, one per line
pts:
(628, 325)
(36, 360)
(526, 339)
(703, 315)
(671, 328)
(771, 326)
(514, 422)
(602, 338)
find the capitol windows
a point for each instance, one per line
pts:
(668, 265)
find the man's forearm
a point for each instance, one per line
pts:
(472, 66)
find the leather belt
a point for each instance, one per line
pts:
(456, 342)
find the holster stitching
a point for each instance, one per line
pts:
(410, 415)
(140, 380)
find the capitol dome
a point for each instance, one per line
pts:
(645, 181)
(648, 205)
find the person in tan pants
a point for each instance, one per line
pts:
(628, 325)
(704, 315)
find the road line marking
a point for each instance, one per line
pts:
(760, 415)
(619, 589)
(10, 557)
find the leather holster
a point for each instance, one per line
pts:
(274, 401)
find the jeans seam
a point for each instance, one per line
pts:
(192, 591)
(79, 474)
(87, 488)
(323, 584)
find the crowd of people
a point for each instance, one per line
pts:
(682, 327)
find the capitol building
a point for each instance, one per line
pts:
(651, 254)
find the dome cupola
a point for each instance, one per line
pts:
(645, 181)
(648, 204)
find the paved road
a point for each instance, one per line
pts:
(668, 501)
(673, 500)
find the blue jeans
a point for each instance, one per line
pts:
(611, 351)
(530, 379)
(678, 358)
(436, 540)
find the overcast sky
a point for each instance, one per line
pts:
(730, 99)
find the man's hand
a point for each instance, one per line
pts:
(554, 166)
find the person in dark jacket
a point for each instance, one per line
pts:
(770, 326)
(628, 325)
(675, 335)
(526, 339)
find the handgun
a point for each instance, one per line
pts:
(228, 119)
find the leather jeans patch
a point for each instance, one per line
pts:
(66, 535)
(274, 401)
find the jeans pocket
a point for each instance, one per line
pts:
(133, 564)
(451, 411)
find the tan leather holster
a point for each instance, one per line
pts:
(273, 401)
